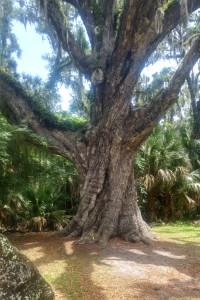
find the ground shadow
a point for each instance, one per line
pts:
(66, 267)
(119, 271)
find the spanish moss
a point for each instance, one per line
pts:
(184, 11)
(159, 20)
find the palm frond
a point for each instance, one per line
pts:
(166, 178)
(190, 201)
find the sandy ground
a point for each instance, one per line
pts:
(166, 270)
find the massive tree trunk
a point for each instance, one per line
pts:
(108, 205)
(104, 151)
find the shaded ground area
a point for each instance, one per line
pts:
(167, 270)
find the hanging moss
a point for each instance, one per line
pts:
(184, 12)
(117, 17)
(160, 14)
(43, 7)
(159, 20)
(49, 119)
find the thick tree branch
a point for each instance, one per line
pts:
(137, 15)
(192, 81)
(109, 29)
(151, 114)
(84, 9)
(59, 22)
(191, 88)
(20, 108)
(134, 23)
(138, 39)
(98, 19)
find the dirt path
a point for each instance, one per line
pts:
(166, 270)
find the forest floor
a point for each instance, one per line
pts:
(170, 269)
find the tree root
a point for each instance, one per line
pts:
(72, 230)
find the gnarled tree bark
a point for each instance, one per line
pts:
(193, 83)
(104, 152)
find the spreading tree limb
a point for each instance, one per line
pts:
(138, 39)
(153, 112)
(21, 108)
(84, 9)
(69, 44)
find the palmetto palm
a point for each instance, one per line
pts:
(165, 173)
(32, 183)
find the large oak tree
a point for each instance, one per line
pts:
(123, 35)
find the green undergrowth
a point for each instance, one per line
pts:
(49, 119)
(180, 231)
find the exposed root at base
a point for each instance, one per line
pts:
(103, 243)
(85, 240)
(147, 241)
(132, 238)
(91, 237)
(132, 232)
(72, 230)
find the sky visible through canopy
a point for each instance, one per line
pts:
(34, 46)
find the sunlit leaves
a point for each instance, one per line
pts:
(166, 180)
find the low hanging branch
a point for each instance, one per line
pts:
(63, 137)
(47, 118)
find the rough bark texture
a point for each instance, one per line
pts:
(193, 85)
(19, 278)
(108, 204)
(104, 151)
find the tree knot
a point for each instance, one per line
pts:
(97, 76)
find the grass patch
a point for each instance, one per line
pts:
(182, 232)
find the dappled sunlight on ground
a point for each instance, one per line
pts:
(31, 254)
(169, 254)
(167, 270)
